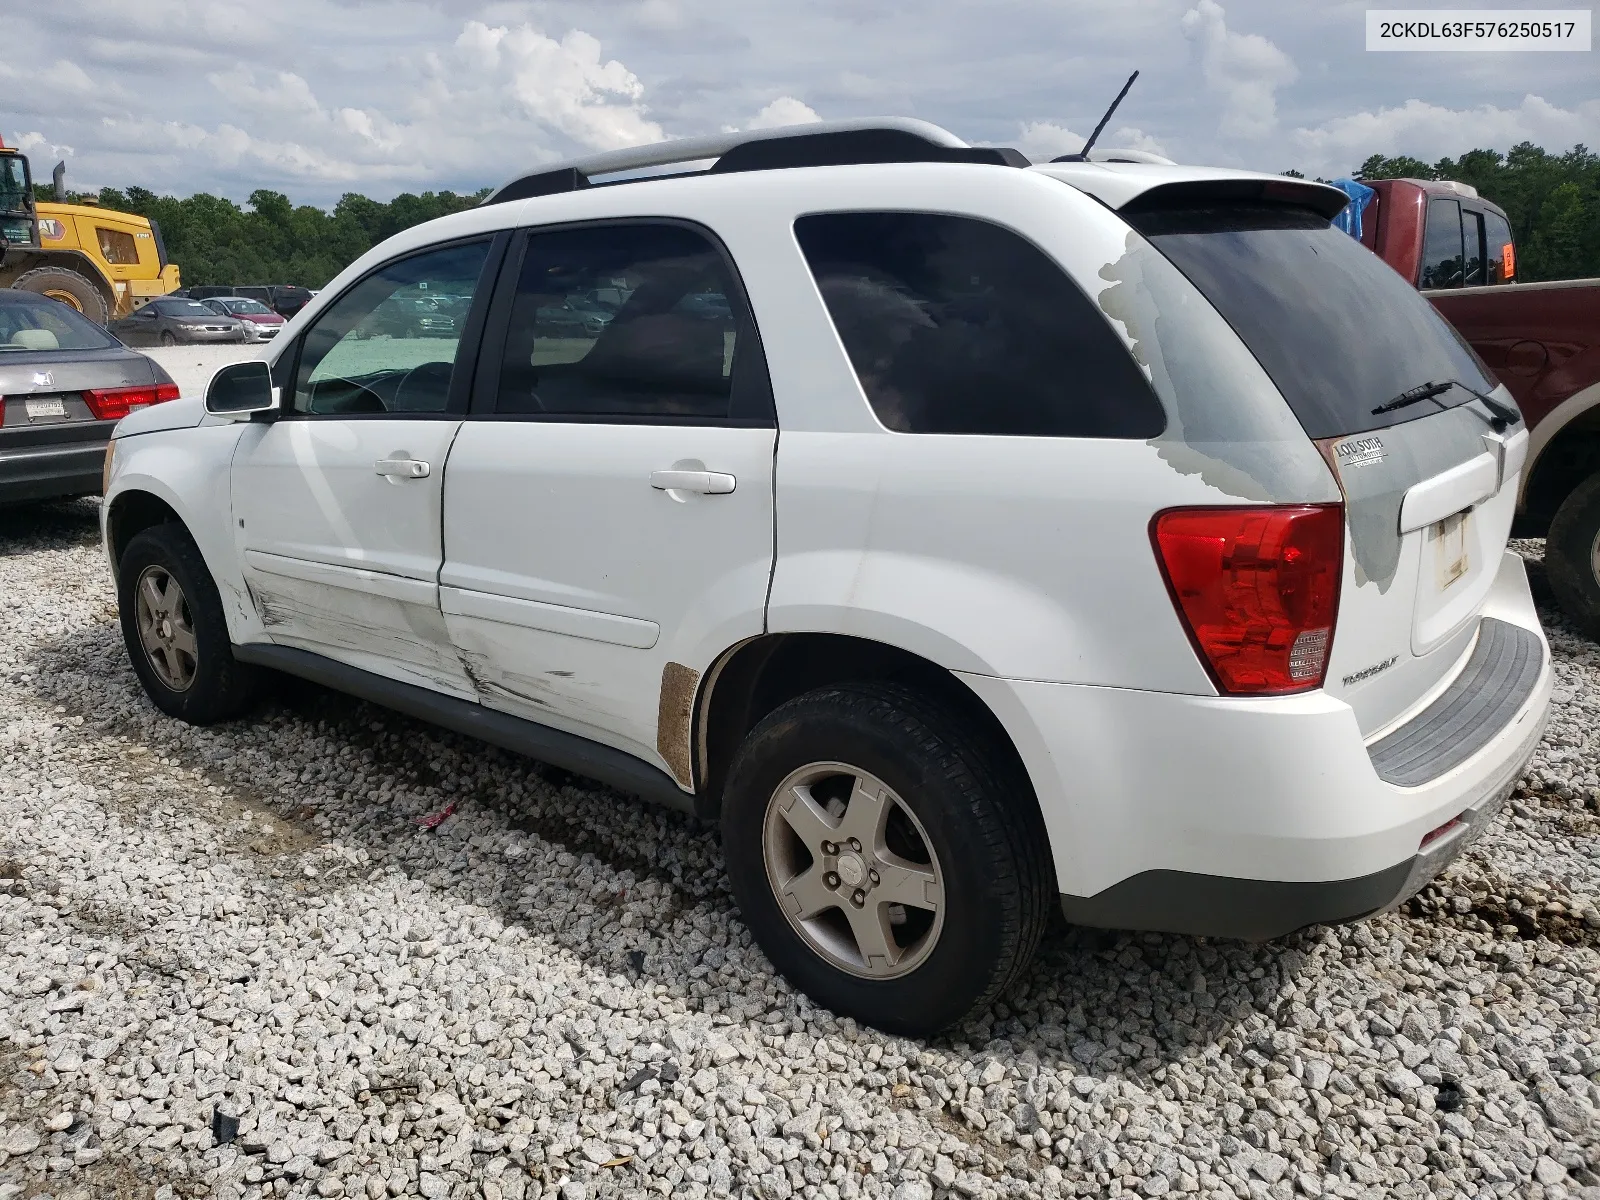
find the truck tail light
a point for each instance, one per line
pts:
(112, 404)
(1257, 589)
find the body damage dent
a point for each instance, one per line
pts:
(675, 720)
(1226, 421)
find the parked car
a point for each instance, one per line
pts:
(285, 299)
(1103, 561)
(1541, 340)
(64, 383)
(259, 322)
(168, 321)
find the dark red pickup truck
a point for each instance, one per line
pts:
(1542, 340)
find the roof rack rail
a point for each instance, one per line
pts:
(820, 144)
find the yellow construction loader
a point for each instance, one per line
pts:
(105, 264)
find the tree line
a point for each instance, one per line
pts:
(1553, 201)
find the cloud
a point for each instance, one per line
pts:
(1043, 140)
(1244, 69)
(785, 110)
(1430, 131)
(35, 144)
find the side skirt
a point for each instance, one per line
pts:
(565, 750)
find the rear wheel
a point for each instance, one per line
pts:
(884, 858)
(1572, 555)
(175, 631)
(67, 287)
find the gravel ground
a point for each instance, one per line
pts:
(552, 995)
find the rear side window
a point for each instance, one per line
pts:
(955, 325)
(1338, 331)
(1441, 245)
(632, 322)
(1497, 238)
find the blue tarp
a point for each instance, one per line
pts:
(1360, 194)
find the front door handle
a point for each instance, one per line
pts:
(402, 468)
(707, 483)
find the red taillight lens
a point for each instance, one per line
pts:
(1258, 589)
(112, 404)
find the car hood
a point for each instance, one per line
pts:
(259, 318)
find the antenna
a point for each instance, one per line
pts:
(1083, 155)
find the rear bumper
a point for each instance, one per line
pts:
(1253, 818)
(50, 471)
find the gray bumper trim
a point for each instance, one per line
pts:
(1478, 704)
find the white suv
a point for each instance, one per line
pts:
(967, 537)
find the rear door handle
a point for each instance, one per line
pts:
(402, 468)
(707, 483)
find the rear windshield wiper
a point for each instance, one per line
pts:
(1501, 417)
(1416, 395)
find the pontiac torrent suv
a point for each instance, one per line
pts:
(967, 537)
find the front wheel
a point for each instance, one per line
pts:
(175, 631)
(168, 338)
(884, 858)
(1572, 555)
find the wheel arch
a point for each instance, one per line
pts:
(754, 677)
(1563, 451)
(129, 513)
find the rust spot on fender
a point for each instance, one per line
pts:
(675, 719)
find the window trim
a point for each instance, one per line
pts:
(1471, 216)
(497, 329)
(286, 367)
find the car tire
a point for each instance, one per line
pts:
(168, 338)
(1572, 555)
(178, 643)
(959, 830)
(67, 287)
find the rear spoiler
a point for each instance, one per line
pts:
(1320, 198)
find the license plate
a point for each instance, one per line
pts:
(44, 406)
(1451, 559)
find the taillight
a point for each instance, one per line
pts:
(1258, 589)
(112, 404)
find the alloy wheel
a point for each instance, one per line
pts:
(853, 870)
(166, 630)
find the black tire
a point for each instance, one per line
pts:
(980, 822)
(168, 338)
(221, 687)
(86, 298)
(1572, 555)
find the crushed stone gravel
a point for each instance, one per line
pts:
(551, 994)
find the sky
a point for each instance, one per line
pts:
(316, 98)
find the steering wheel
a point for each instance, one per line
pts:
(424, 388)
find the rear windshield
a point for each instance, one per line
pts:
(1339, 332)
(29, 322)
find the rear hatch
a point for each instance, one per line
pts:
(1385, 388)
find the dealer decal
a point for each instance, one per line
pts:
(1360, 452)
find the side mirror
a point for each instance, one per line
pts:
(240, 390)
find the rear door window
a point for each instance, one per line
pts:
(956, 325)
(1441, 245)
(1338, 331)
(1497, 249)
(635, 322)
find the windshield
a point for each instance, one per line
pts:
(13, 184)
(29, 322)
(254, 307)
(1339, 332)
